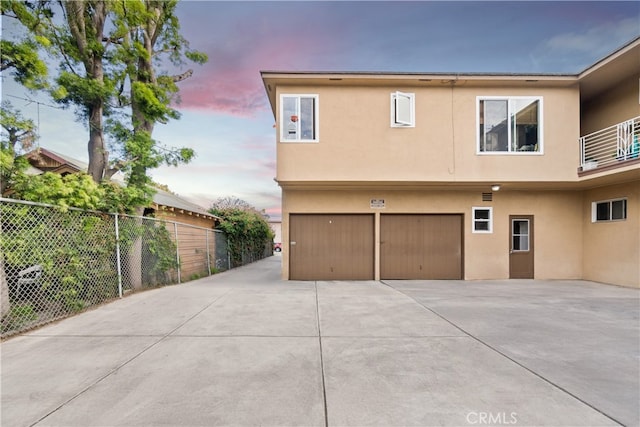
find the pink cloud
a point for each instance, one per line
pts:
(230, 82)
(274, 212)
(216, 91)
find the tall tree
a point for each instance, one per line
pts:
(150, 36)
(105, 47)
(82, 44)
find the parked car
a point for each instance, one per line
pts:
(277, 247)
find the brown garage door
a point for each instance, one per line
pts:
(331, 247)
(421, 246)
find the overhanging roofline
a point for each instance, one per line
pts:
(610, 57)
(272, 79)
(617, 67)
(405, 75)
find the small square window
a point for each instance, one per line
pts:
(402, 109)
(482, 220)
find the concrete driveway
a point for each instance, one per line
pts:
(245, 348)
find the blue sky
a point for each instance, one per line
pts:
(226, 118)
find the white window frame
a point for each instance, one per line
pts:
(594, 210)
(474, 221)
(284, 121)
(509, 115)
(403, 110)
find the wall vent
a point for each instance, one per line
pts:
(487, 197)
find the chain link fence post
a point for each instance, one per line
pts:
(118, 263)
(175, 228)
(208, 254)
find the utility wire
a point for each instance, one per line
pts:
(38, 104)
(33, 101)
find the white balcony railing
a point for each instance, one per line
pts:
(610, 146)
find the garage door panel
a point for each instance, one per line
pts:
(421, 246)
(331, 247)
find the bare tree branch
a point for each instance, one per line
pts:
(183, 76)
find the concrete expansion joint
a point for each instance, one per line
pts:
(504, 355)
(126, 362)
(324, 388)
(395, 337)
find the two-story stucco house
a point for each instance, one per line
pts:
(460, 176)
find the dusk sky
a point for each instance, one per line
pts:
(226, 117)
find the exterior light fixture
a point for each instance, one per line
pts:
(495, 187)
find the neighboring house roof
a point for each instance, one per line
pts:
(51, 161)
(45, 160)
(163, 199)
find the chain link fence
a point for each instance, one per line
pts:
(248, 255)
(56, 262)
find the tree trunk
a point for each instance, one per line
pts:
(97, 153)
(86, 25)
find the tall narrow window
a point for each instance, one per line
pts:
(494, 128)
(402, 109)
(520, 235)
(509, 125)
(299, 118)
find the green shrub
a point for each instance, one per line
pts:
(247, 233)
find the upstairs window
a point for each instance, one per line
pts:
(609, 210)
(298, 118)
(402, 109)
(509, 125)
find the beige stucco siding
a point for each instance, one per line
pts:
(558, 229)
(357, 143)
(620, 103)
(557, 219)
(612, 249)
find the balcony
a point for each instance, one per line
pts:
(611, 147)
